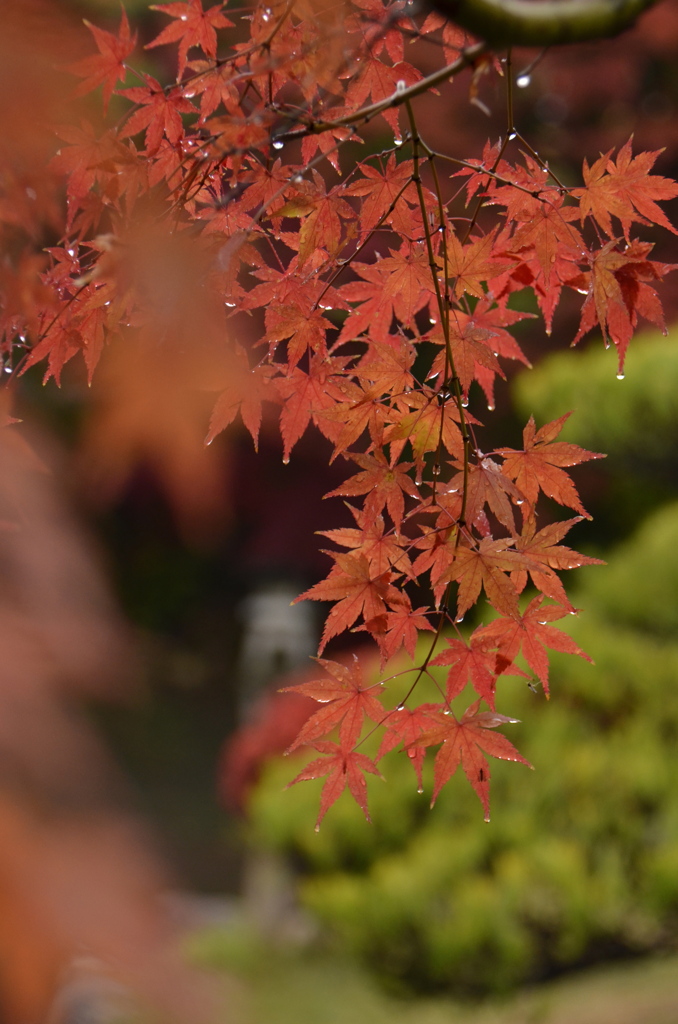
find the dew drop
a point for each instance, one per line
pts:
(522, 81)
(286, 460)
(519, 501)
(278, 144)
(266, 15)
(229, 304)
(432, 320)
(398, 142)
(184, 17)
(490, 406)
(620, 376)
(464, 402)
(400, 85)
(317, 828)
(435, 469)
(71, 252)
(7, 369)
(297, 179)
(420, 789)
(460, 618)
(512, 135)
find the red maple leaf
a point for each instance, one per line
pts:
(532, 634)
(382, 190)
(463, 742)
(547, 554)
(473, 264)
(382, 549)
(619, 292)
(379, 81)
(347, 702)
(108, 66)
(625, 190)
(476, 660)
(344, 768)
(356, 590)
(486, 565)
(406, 725)
(193, 27)
(538, 466)
(385, 485)
(306, 396)
(159, 113)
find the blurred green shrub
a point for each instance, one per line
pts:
(580, 861)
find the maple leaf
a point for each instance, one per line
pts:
(347, 701)
(382, 550)
(379, 81)
(486, 484)
(385, 485)
(473, 264)
(193, 27)
(476, 660)
(383, 190)
(402, 629)
(618, 292)
(345, 768)
(303, 330)
(426, 425)
(486, 565)
(406, 725)
(532, 634)
(398, 285)
(356, 590)
(107, 67)
(547, 554)
(246, 391)
(465, 741)
(537, 467)
(322, 218)
(306, 396)
(159, 113)
(625, 190)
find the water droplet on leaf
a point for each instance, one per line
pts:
(278, 144)
(620, 376)
(522, 81)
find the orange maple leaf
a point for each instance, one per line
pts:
(463, 742)
(532, 634)
(537, 467)
(344, 768)
(625, 190)
(108, 66)
(347, 702)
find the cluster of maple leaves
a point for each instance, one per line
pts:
(228, 169)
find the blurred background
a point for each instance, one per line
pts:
(403, 919)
